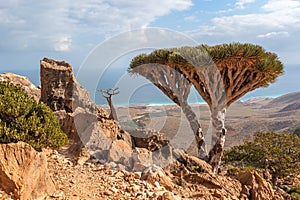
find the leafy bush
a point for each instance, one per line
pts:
(294, 192)
(233, 171)
(23, 119)
(280, 153)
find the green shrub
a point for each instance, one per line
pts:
(279, 153)
(196, 168)
(294, 192)
(23, 119)
(233, 171)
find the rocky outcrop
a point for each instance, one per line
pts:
(23, 172)
(192, 163)
(59, 88)
(255, 187)
(216, 186)
(61, 92)
(148, 139)
(156, 176)
(85, 123)
(120, 152)
(23, 81)
(142, 159)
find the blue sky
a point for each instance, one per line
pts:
(70, 29)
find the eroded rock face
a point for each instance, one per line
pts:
(156, 175)
(255, 186)
(85, 123)
(23, 172)
(60, 90)
(148, 139)
(120, 152)
(23, 81)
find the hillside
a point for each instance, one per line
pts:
(284, 100)
(106, 159)
(243, 119)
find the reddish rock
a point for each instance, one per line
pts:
(255, 187)
(23, 172)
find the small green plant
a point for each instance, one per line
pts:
(23, 119)
(279, 153)
(196, 168)
(294, 192)
(233, 171)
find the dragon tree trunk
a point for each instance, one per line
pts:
(218, 122)
(197, 130)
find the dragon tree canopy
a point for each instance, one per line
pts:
(240, 67)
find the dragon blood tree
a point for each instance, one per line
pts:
(221, 74)
(176, 86)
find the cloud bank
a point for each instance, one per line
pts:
(57, 25)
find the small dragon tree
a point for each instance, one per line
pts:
(107, 94)
(221, 74)
(175, 86)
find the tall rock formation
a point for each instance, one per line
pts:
(84, 122)
(23, 172)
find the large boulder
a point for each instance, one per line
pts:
(255, 187)
(63, 94)
(142, 159)
(220, 187)
(120, 152)
(23, 81)
(157, 176)
(192, 163)
(59, 88)
(23, 172)
(148, 139)
(85, 123)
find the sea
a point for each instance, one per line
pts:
(136, 90)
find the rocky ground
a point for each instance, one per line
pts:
(96, 180)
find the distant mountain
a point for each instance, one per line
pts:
(286, 99)
(257, 101)
(291, 107)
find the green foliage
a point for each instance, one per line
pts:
(203, 55)
(232, 171)
(23, 119)
(280, 153)
(196, 168)
(294, 192)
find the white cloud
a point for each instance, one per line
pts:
(275, 20)
(241, 3)
(190, 18)
(45, 22)
(279, 5)
(274, 35)
(63, 43)
(276, 26)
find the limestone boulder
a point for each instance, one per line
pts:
(59, 88)
(85, 123)
(148, 139)
(23, 172)
(218, 185)
(157, 176)
(23, 81)
(120, 152)
(191, 162)
(142, 159)
(255, 186)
